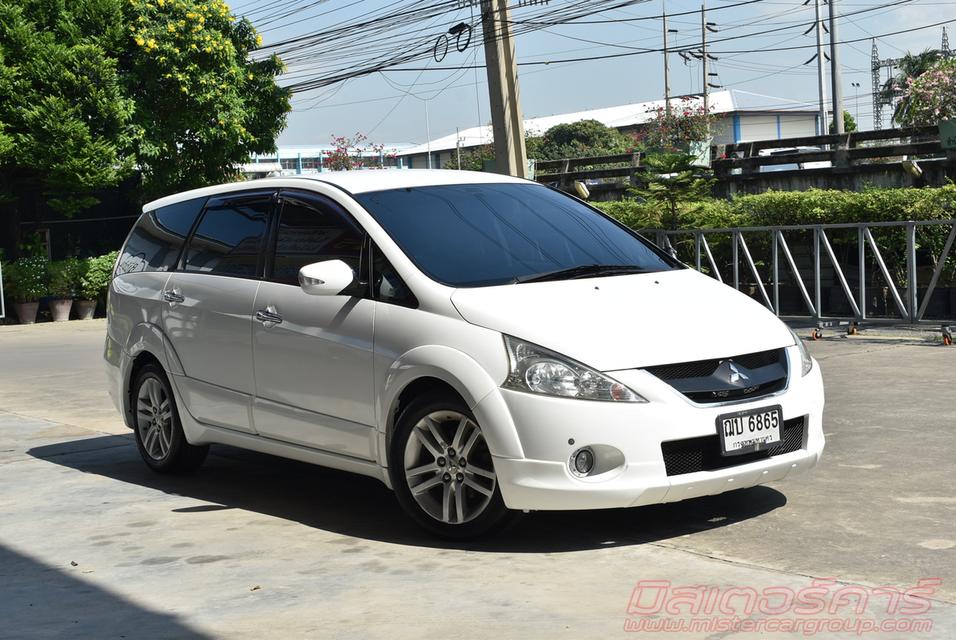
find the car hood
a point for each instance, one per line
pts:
(629, 321)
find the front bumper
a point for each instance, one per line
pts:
(547, 426)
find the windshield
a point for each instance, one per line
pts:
(472, 235)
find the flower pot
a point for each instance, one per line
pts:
(60, 309)
(26, 311)
(85, 309)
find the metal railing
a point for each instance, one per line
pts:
(908, 302)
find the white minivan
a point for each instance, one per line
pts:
(481, 344)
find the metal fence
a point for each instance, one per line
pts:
(902, 286)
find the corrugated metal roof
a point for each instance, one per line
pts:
(721, 102)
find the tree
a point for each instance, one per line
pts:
(352, 153)
(473, 159)
(672, 181)
(849, 124)
(65, 123)
(581, 139)
(203, 104)
(931, 97)
(92, 89)
(911, 66)
(674, 132)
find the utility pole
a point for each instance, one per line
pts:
(821, 71)
(458, 147)
(506, 118)
(703, 51)
(835, 80)
(667, 67)
(856, 102)
(428, 137)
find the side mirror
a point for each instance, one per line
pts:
(326, 278)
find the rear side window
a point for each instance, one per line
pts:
(229, 237)
(313, 229)
(156, 240)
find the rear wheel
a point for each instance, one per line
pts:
(159, 433)
(442, 470)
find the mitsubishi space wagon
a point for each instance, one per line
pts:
(481, 344)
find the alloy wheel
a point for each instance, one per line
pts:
(154, 418)
(448, 467)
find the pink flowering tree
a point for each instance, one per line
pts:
(931, 97)
(353, 152)
(673, 132)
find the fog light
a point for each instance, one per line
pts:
(582, 461)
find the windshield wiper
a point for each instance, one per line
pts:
(582, 271)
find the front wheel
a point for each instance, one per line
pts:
(159, 433)
(442, 470)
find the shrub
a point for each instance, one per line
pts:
(931, 97)
(816, 206)
(96, 277)
(66, 277)
(27, 279)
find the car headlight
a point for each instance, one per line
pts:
(805, 360)
(539, 370)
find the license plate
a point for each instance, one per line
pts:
(750, 430)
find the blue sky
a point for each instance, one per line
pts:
(391, 106)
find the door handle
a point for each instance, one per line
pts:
(268, 315)
(173, 296)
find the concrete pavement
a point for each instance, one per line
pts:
(92, 544)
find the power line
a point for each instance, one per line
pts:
(726, 52)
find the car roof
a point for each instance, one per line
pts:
(354, 182)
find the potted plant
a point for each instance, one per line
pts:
(85, 304)
(26, 281)
(95, 280)
(64, 281)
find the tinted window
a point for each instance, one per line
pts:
(387, 285)
(475, 235)
(311, 230)
(158, 237)
(229, 236)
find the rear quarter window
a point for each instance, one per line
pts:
(157, 239)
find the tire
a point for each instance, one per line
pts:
(448, 496)
(159, 432)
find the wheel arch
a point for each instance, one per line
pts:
(439, 369)
(146, 344)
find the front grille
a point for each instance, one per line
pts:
(708, 381)
(703, 453)
(704, 368)
(730, 395)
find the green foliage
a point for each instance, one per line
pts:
(91, 89)
(636, 213)
(579, 140)
(931, 97)
(26, 279)
(65, 122)
(66, 277)
(97, 275)
(674, 132)
(816, 206)
(203, 104)
(849, 124)
(911, 66)
(671, 182)
(474, 159)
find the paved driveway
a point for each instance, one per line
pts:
(94, 545)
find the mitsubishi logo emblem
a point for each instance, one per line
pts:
(735, 374)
